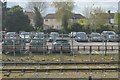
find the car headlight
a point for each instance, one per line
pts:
(79, 38)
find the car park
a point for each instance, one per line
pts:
(13, 45)
(81, 37)
(38, 45)
(95, 37)
(53, 36)
(26, 36)
(109, 36)
(61, 45)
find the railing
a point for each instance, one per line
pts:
(47, 48)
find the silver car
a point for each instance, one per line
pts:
(81, 36)
(38, 45)
(25, 36)
(11, 45)
(53, 36)
(61, 45)
(11, 35)
(95, 37)
(109, 35)
(39, 35)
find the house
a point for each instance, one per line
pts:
(50, 21)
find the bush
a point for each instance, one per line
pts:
(75, 27)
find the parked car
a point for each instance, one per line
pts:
(11, 45)
(72, 34)
(53, 36)
(109, 35)
(81, 36)
(32, 34)
(38, 45)
(117, 38)
(11, 35)
(25, 36)
(95, 37)
(61, 45)
(39, 35)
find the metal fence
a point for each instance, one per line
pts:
(47, 47)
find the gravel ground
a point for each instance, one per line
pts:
(64, 75)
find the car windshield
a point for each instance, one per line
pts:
(25, 33)
(55, 35)
(39, 35)
(80, 34)
(110, 33)
(11, 33)
(96, 35)
(61, 41)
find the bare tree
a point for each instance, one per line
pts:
(41, 6)
(95, 17)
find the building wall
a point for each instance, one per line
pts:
(53, 23)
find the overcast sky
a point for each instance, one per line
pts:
(79, 5)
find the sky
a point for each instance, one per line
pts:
(80, 5)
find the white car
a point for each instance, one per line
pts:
(109, 35)
(53, 36)
(81, 37)
(11, 35)
(26, 36)
(95, 37)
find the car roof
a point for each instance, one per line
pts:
(95, 33)
(61, 39)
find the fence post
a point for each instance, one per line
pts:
(61, 48)
(78, 48)
(119, 49)
(112, 48)
(47, 49)
(90, 49)
(98, 48)
(90, 53)
(83, 48)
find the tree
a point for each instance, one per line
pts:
(38, 19)
(116, 17)
(64, 12)
(95, 17)
(41, 6)
(16, 20)
(75, 27)
(38, 8)
(98, 17)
